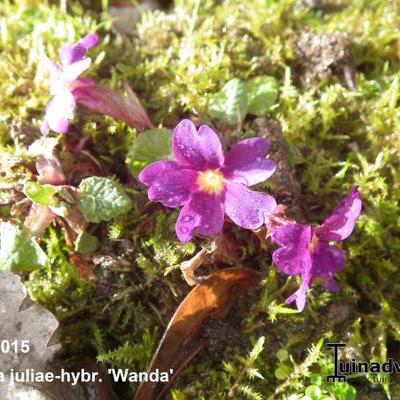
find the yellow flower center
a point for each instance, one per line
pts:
(211, 181)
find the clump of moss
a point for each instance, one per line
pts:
(160, 250)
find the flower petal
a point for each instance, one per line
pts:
(210, 146)
(331, 285)
(156, 171)
(246, 162)
(56, 82)
(293, 257)
(89, 41)
(72, 71)
(340, 224)
(71, 53)
(196, 149)
(175, 189)
(327, 260)
(59, 110)
(204, 213)
(299, 296)
(245, 207)
(44, 127)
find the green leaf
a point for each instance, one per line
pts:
(313, 391)
(102, 199)
(282, 355)
(40, 194)
(150, 146)
(86, 243)
(344, 391)
(230, 104)
(262, 93)
(18, 250)
(282, 372)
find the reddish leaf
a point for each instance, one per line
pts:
(76, 222)
(83, 265)
(38, 219)
(111, 102)
(50, 171)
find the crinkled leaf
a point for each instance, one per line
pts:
(18, 250)
(86, 243)
(230, 104)
(102, 199)
(150, 146)
(40, 194)
(262, 93)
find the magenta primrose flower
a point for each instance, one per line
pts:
(64, 79)
(69, 90)
(209, 185)
(307, 251)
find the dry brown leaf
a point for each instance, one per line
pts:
(182, 339)
(22, 319)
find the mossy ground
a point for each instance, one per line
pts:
(337, 137)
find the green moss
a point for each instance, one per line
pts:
(161, 252)
(337, 138)
(59, 285)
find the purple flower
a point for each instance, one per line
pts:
(64, 78)
(68, 90)
(209, 185)
(306, 250)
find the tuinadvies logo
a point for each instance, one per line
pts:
(344, 368)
